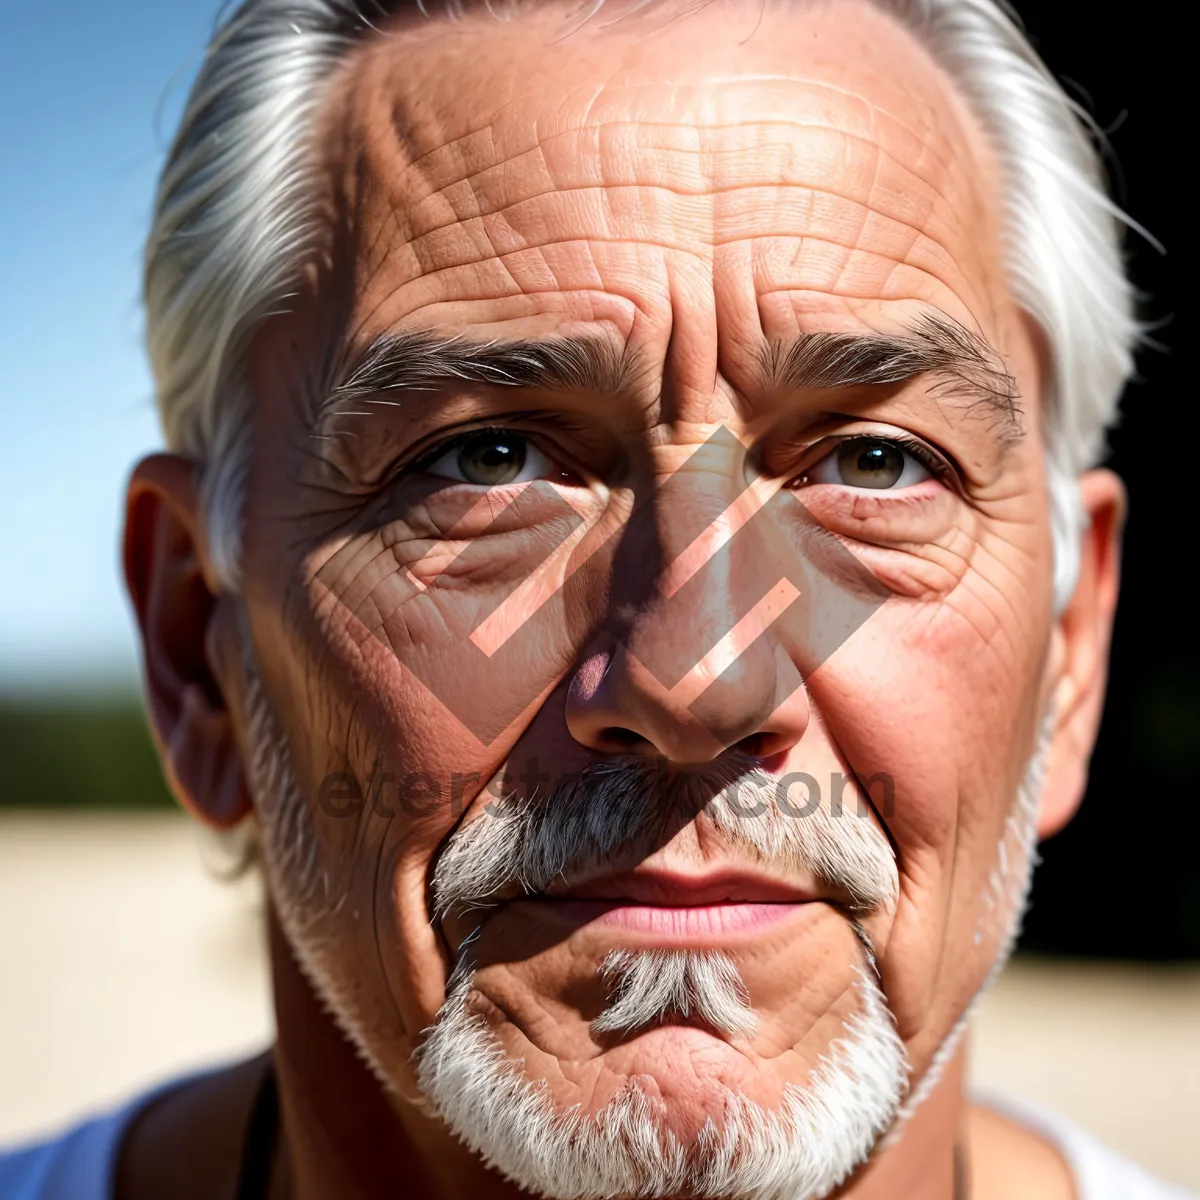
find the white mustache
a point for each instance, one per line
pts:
(621, 808)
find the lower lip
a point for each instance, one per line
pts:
(701, 921)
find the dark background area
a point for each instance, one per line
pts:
(1123, 880)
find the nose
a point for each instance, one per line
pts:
(692, 662)
(757, 705)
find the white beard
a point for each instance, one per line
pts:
(802, 1151)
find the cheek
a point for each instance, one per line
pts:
(918, 544)
(482, 613)
(944, 722)
(395, 733)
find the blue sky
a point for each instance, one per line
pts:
(89, 94)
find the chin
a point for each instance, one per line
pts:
(686, 1075)
(686, 1111)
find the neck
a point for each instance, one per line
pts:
(343, 1135)
(921, 1161)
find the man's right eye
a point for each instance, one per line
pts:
(492, 457)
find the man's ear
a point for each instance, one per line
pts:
(1079, 651)
(181, 614)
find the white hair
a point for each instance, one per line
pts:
(802, 1150)
(646, 986)
(616, 809)
(237, 222)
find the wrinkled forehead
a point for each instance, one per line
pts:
(803, 165)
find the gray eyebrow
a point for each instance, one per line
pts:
(417, 361)
(959, 361)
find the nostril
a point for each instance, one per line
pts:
(618, 735)
(758, 745)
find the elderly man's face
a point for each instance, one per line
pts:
(558, 497)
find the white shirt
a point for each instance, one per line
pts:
(1099, 1173)
(80, 1164)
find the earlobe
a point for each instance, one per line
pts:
(1079, 653)
(179, 606)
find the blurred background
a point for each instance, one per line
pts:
(123, 956)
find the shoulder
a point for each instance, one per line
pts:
(77, 1165)
(181, 1138)
(187, 1142)
(1098, 1173)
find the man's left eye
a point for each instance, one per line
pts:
(868, 462)
(493, 457)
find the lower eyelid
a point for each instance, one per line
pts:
(908, 516)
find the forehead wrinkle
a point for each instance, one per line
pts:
(420, 159)
(493, 231)
(441, 279)
(493, 241)
(435, 55)
(427, 171)
(908, 126)
(475, 186)
(424, 180)
(761, 203)
(408, 117)
(507, 218)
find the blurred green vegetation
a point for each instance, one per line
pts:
(78, 752)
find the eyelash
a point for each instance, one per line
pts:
(940, 467)
(565, 422)
(417, 465)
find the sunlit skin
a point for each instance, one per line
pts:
(689, 191)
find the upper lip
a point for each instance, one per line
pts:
(681, 889)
